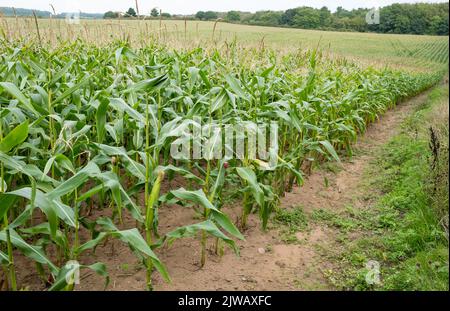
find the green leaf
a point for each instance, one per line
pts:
(250, 177)
(101, 120)
(235, 86)
(26, 169)
(16, 93)
(91, 243)
(73, 89)
(110, 181)
(41, 201)
(227, 225)
(62, 160)
(266, 72)
(34, 252)
(6, 202)
(330, 149)
(121, 105)
(147, 84)
(60, 73)
(90, 170)
(135, 168)
(192, 230)
(219, 101)
(58, 237)
(3, 258)
(100, 269)
(47, 205)
(218, 183)
(182, 172)
(22, 218)
(13, 90)
(134, 239)
(15, 137)
(69, 270)
(61, 279)
(198, 197)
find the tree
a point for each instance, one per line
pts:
(437, 26)
(341, 12)
(209, 15)
(442, 30)
(154, 12)
(402, 24)
(266, 18)
(166, 15)
(200, 15)
(288, 17)
(412, 18)
(307, 17)
(325, 17)
(233, 16)
(131, 12)
(110, 14)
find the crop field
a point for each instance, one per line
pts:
(407, 51)
(87, 126)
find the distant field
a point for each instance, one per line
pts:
(408, 51)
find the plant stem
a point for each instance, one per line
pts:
(203, 255)
(11, 267)
(77, 226)
(149, 218)
(245, 211)
(52, 133)
(205, 216)
(50, 120)
(147, 198)
(150, 199)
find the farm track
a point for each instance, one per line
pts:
(266, 262)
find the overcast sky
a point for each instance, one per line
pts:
(191, 6)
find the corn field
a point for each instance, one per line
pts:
(85, 128)
(417, 53)
(424, 53)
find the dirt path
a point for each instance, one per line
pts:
(266, 262)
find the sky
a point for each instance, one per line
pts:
(192, 6)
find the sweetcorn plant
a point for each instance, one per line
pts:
(93, 130)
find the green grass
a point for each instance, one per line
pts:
(290, 222)
(401, 230)
(347, 221)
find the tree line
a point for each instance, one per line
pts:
(417, 18)
(20, 12)
(131, 12)
(405, 18)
